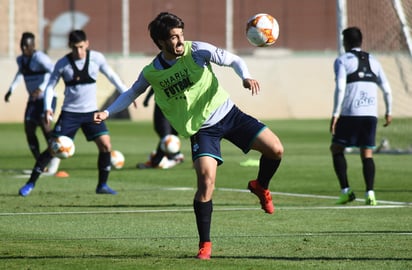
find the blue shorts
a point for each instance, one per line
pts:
(69, 123)
(237, 127)
(355, 131)
(35, 110)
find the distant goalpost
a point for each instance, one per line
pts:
(398, 12)
(386, 27)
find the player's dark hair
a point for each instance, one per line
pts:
(160, 27)
(27, 39)
(352, 37)
(76, 36)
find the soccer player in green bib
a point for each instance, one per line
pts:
(191, 98)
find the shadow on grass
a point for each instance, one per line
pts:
(138, 206)
(148, 256)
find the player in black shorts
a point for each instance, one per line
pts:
(35, 67)
(354, 118)
(159, 159)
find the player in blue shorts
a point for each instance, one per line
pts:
(196, 105)
(35, 68)
(79, 70)
(354, 119)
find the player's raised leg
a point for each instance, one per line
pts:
(271, 148)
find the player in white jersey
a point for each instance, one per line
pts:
(35, 68)
(355, 110)
(79, 70)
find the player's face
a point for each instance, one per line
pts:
(173, 47)
(79, 50)
(27, 48)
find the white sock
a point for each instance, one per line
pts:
(53, 165)
(167, 163)
(370, 193)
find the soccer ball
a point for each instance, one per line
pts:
(262, 30)
(62, 147)
(117, 159)
(170, 144)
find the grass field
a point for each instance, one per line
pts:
(150, 224)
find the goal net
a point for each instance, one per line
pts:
(387, 33)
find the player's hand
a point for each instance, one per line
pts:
(99, 117)
(147, 99)
(333, 125)
(252, 85)
(35, 94)
(388, 120)
(48, 117)
(7, 96)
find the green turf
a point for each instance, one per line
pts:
(150, 224)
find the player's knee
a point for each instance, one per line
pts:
(279, 153)
(278, 150)
(205, 188)
(104, 148)
(336, 149)
(206, 181)
(103, 144)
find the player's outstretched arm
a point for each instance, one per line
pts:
(99, 117)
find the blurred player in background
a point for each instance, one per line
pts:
(35, 67)
(79, 71)
(159, 159)
(191, 98)
(355, 111)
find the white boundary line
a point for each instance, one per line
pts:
(217, 209)
(309, 234)
(315, 196)
(273, 193)
(389, 204)
(180, 210)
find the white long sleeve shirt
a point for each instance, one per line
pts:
(359, 98)
(41, 66)
(81, 97)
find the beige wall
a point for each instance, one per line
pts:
(4, 25)
(293, 86)
(25, 19)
